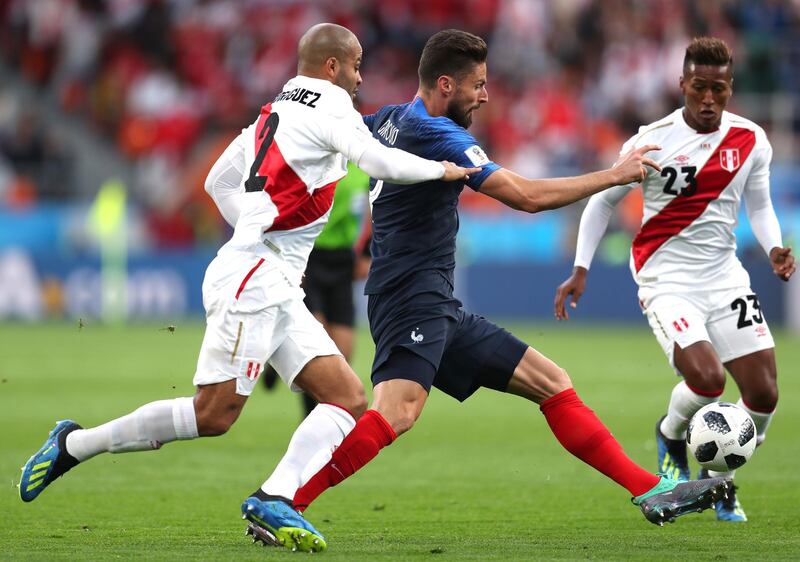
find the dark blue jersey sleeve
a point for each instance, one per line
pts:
(369, 120)
(455, 144)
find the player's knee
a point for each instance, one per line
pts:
(764, 398)
(403, 421)
(207, 427)
(537, 378)
(539, 385)
(350, 394)
(705, 378)
(356, 402)
(401, 416)
(215, 421)
(562, 381)
(331, 380)
(558, 381)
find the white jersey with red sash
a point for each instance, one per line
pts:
(691, 207)
(295, 152)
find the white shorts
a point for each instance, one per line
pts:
(731, 320)
(254, 315)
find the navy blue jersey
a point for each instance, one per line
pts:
(414, 226)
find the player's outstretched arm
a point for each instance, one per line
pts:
(398, 166)
(535, 195)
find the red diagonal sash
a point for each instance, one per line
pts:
(684, 210)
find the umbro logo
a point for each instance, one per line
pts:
(415, 337)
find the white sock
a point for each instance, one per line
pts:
(145, 429)
(761, 420)
(311, 447)
(683, 404)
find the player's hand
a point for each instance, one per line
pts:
(455, 173)
(574, 286)
(631, 166)
(782, 262)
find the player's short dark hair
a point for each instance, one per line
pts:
(451, 52)
(709, 51)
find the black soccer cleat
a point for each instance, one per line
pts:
(672, 498)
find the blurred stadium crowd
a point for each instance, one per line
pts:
(168, 83)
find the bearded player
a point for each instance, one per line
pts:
(275, 182)
(423, 336)
(692, 288)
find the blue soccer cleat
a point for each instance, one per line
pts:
(728, 509)
(672, 459)
(274, 522)
(672, 498)
(47, 464)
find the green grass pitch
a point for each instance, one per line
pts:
(474, 481)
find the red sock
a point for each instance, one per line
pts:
(582, 433)
(371, 434)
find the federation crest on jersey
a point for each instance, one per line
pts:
(729, 159)
(476, 155)
(253, 370)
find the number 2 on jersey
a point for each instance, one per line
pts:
(255, 182)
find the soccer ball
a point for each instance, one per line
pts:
(721, 436)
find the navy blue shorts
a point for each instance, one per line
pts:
(423, 334)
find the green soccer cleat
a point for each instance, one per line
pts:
(48, 463)
(670, 498)
(275, 523)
